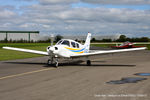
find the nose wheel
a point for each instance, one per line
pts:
(51, 62)
(56, 64)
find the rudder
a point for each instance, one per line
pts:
(87, 43)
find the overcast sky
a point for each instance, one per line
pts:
(129, 17)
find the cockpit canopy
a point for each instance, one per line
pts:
(69, 43)
(125, 43)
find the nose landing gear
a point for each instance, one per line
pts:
(51, 62)
(56, 63)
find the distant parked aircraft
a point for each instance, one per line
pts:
(126, 45)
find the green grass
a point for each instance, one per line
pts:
(148, 46)
(11, 55)
(103, 45)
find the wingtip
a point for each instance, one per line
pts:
(144, 48)
(6, 47)
(3, 47)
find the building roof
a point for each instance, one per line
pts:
(37, 32)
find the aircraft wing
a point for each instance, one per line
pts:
(102, 52)
(27, 50)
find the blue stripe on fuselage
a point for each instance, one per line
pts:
(78, 50)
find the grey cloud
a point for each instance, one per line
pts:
(105, 2)
(97, 20)
(49, 2)
(57, 1)
(45, 8)
(26, 0)
(60, 19)
(119, 2)
(5, 13)
(111, 15)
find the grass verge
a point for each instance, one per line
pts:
(11, 55)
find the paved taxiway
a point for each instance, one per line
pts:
(31, 79)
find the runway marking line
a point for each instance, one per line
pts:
(26, 73)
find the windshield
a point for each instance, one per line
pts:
(125, 43)
(65, 42)
(59, 42)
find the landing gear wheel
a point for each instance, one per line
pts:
(49, 62)
(88, 63)
(56, 64)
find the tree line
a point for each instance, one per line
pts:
(122, 38)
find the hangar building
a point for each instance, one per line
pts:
(19, 35)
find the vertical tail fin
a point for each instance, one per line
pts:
(87, 43)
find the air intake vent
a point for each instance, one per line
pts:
(56, 48)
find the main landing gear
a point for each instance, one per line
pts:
(54, 62)
(88, 63)
(51, 62)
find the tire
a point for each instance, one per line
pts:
(56, 64)
(49, 62)
(88, 63)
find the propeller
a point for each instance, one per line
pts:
(50, 48)
(52, 39)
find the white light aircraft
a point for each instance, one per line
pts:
(67, 48)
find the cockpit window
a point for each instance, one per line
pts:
(125, 43)
(65, 42)
(59, 42)
(77, 45)
(73, 44)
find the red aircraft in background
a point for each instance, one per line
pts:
(126, 45)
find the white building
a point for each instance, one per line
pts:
(35, 36)
(19, 35)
